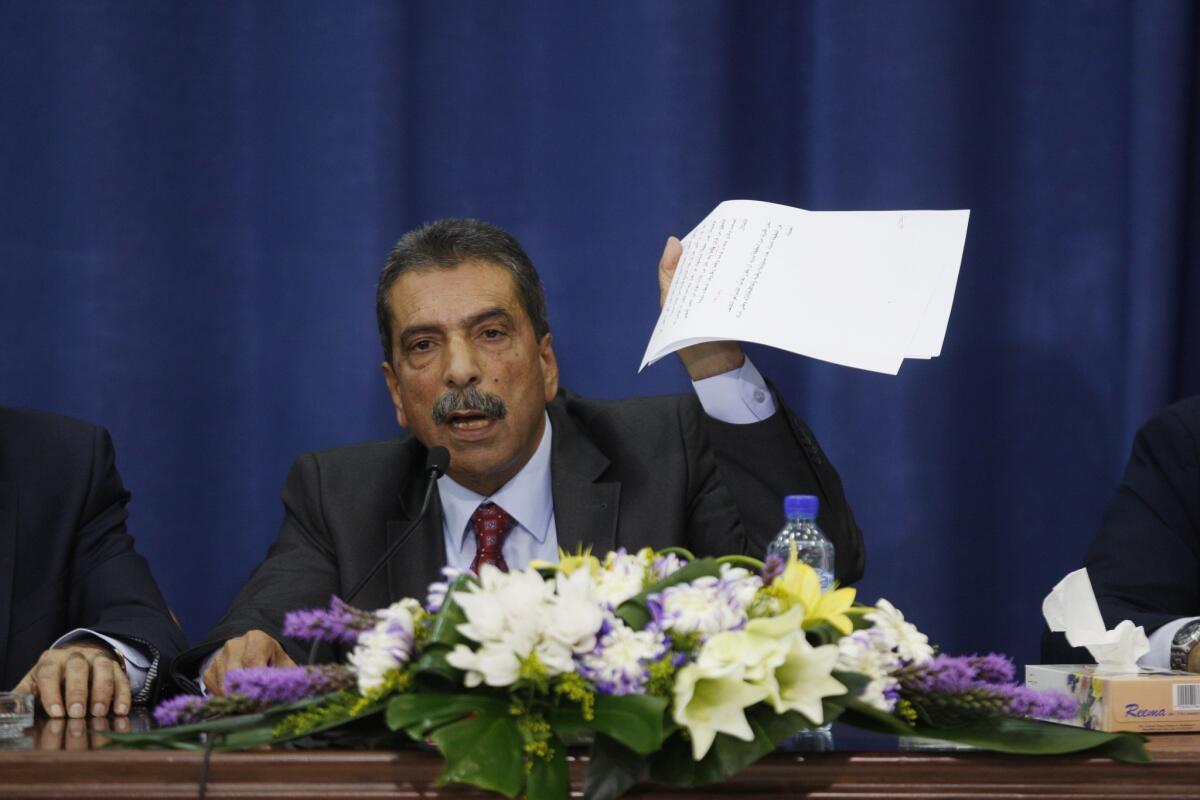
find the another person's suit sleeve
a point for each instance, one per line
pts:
(1144, 562)
(761, 462)
(111, 590)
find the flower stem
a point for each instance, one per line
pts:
(682, 552)
(745, 561)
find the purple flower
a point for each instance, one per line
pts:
(993, 668)
(436, 596)
(666, 564)
(773, 567)
(956, 688)
(619, 664)
(340, 622)
(268, 685)
(181, 710)
(942, 674)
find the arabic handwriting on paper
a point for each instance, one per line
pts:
(875, 286)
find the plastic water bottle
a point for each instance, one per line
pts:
(801, 531)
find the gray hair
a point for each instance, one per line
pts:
(445, 244)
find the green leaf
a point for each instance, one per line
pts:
(167, 735)
(634, 611)
(1035, 737)
(778, 727)
(433, 663)
(858, 617)
(854, 682)
(548, 779)
(444, 629)
(484, 751)
(869, 718)
(822, 633)
(1007, 735)
(249, 737)
(634, 720)
(674, 765)
(727, 756)
(420, 712)
(612, 769)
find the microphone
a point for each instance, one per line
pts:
(436, 464)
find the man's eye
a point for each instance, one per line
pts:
(493, 333)
(420, 345)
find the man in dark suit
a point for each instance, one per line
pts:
(1144, 563)
(82, 622)
(470, 367)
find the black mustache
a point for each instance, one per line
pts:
(470, 399)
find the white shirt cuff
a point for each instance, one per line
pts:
(137, 661)
(739, 397)
(1159, 656)
(204, 668)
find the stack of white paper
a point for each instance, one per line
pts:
(864, 289)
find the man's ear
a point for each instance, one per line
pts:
(549, 365)
(389, 376)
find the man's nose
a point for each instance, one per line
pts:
(462, 364)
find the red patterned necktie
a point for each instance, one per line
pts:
(491, 525)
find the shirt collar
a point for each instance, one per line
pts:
(528, 497)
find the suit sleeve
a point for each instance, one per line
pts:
(1145, 560)
(300, 571)
(111, 588)
(761, 462)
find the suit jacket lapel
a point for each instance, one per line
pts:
(585, 509)
(419, 560)
(8, 560)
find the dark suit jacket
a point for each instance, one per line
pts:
(632, 473)
(66, 560)
(1145, 560)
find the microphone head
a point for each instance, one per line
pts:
(437, 461)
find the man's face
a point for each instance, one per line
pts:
(461, 341)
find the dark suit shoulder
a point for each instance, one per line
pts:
(1179, 423)
(367, 476)
(366, 454)
(627, 413)
(29, 437)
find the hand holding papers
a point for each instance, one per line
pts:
(865, 289)
(1071, 608)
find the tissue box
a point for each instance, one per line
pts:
(1149, 701)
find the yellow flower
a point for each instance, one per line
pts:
(799, 585)
(568, 563)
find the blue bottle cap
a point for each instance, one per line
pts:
(801, 505)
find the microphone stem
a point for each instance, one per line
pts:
(387, 556)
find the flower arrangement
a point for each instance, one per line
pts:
(671, 668)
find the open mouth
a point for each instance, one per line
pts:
(468, 420)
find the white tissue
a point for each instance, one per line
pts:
(1071, 608)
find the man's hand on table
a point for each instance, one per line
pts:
(703, 360)
(253, 649)
(79, 679)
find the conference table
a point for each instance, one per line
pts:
(73, 759)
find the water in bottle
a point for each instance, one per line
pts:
(800, 530)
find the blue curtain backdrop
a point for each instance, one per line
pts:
(195, 199)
